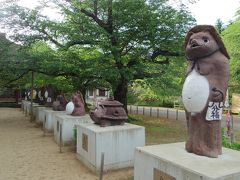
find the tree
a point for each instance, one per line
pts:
(219, 26)
(133, 39)
(231, 37)
(232, 40)
(9, 61)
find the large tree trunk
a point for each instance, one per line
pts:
(120, 93)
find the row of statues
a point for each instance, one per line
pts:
(203, 94)
(45, 96)
(107, 112)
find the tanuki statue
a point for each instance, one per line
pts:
(204, 90)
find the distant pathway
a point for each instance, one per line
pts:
(26, 155)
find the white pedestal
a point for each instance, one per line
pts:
(171, 161)
(68, 123)
(35, 107)
(118, 144)
(24, 102)
(28, 108)
(50, 119)
(22, 105)
(41, 114)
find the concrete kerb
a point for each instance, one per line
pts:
(171, 113)
(160, 112)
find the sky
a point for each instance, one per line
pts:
(208, 11)
(204, 11)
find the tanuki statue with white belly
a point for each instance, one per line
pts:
(204, 90)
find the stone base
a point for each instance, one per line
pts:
(68, 123)
(50, 119)
(35, 111)
(41, 114)
(172, 162)
(24, 105)
(28, 107)
(118, 144)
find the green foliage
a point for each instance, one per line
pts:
(116, 42)
(227, 143)
(162, 90)
(219, 26)
(231, 37)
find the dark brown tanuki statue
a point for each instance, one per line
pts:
(49, 96)
(79, 105)
(205, 89)
(42, 100)
(60, 103)
(109, 113)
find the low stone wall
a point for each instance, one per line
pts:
(160, 112)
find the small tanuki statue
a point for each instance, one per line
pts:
(76, 107)
(60, 103)
(49, 95)
(41, 91)
(204, 90)
(109, 113)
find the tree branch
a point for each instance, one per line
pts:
(126, 51)
(17, 78)
(51, 38)
(95, 7)
(159, 52)
(79, 42)
(96, 19)
(110, 17)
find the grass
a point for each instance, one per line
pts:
(160, 130)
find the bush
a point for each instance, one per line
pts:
(75, 135)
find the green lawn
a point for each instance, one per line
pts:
(160, 130)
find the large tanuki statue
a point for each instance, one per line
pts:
(204, 90)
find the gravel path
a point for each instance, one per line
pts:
(26, 155)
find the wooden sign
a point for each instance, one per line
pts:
(85, 142)
(159, 175)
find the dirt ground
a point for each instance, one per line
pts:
(26, 155)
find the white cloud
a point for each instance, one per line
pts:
(208, 11)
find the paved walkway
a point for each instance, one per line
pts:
(26, 155)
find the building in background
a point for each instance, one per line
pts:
(94, 95)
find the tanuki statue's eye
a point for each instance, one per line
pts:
(205, 39)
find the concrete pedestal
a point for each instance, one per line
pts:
(24, 104)
(172, 162)
(67, 122)
(118, 144)
(35, 111)
(41, 114)
(50, 119)
(28, 108)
